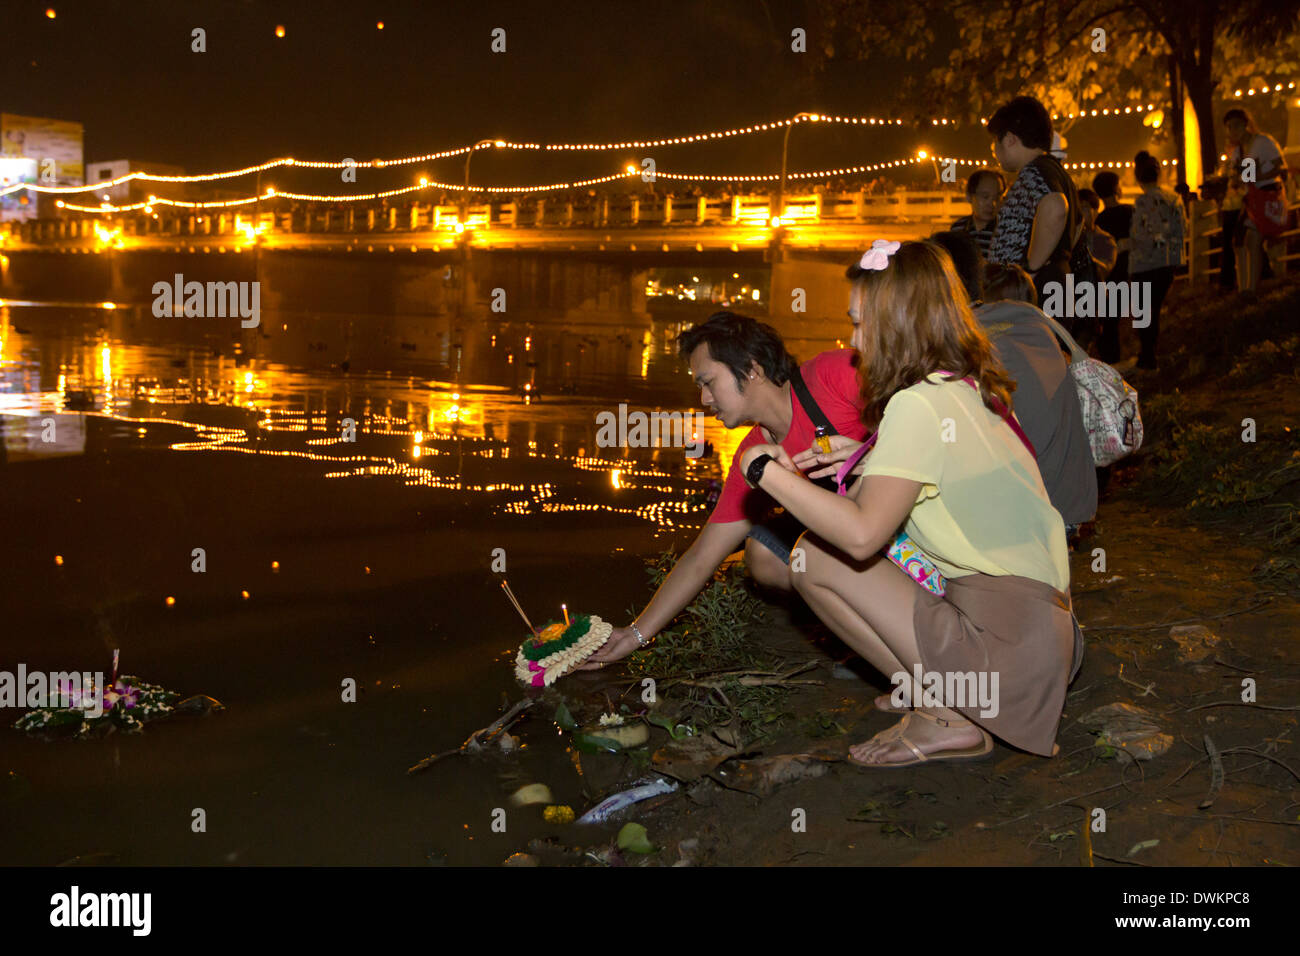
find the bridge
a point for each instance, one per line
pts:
(582, 260)
(842, 222)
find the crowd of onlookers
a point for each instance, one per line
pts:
(1042, 222)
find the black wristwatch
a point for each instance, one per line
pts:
(754, 473)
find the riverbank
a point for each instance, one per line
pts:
(1197, 530)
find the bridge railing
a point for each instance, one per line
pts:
(281, 216)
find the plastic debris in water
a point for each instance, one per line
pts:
(531, 794)
(620, 801)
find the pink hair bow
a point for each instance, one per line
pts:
(877, 257)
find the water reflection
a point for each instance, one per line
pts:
(501, 412)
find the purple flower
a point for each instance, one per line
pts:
(128, 695)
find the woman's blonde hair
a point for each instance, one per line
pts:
(916, 319)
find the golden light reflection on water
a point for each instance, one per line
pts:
(425, 437)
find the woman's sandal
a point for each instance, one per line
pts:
(898, 731)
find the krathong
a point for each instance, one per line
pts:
(556, 649)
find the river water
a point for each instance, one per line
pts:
(131, 442)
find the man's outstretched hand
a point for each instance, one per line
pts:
(621, 643)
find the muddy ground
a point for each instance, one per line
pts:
(1165, 566)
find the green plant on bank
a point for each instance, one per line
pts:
(1208, 466)
(1265, 359)
(713, 635)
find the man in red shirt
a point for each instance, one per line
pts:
(745, 375)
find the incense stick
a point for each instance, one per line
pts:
(511, 597)
(515, 601)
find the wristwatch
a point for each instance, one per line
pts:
(754, 473)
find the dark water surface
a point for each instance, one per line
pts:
(366, 560)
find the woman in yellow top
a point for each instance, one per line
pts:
(995, 653)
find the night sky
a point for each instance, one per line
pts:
(335, 86)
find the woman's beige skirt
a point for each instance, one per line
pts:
(1019, 629)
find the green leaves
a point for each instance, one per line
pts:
(593, 744)
(564, 718)
(633, 837)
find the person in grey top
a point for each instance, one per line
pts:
(1045, 400)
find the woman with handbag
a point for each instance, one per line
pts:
(950, 464)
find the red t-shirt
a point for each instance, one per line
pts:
(833, 381)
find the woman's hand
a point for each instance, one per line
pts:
(779, 454)
(842, 448)
(621, 643)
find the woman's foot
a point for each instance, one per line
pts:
(885, 702)
(913, 741)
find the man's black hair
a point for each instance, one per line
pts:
(1237, 113)
(965, 257)
(736, 341)
(1106, 184)
(973, 183)
(1027, 118)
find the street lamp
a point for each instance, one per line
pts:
(461, 227)
(464, 196)
(923, 155)
(779, 211)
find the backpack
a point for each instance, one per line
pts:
(1161, 234)
(1108, 403)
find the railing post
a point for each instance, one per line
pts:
(568, 214)
(735, 208)
(701, 210)
(634, 211)
(668, 210)
(540, 215)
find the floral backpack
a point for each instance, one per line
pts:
(1157, 233)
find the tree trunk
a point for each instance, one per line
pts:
(1200, 89)
(1176, 118)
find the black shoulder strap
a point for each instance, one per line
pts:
(809, 405)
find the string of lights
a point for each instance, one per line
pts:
(921, 157)
(1126, 164)
(380, 163)
(1275, 88)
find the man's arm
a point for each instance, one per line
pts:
(691, 572)
(1049, 223)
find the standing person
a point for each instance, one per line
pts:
(1039, 222)
(951, 465)
(1116, 217)
(1256, 172)
(745, 374)
(1157, 250)
(984, 191)
(1101, 245)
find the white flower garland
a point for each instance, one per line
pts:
(552, 668)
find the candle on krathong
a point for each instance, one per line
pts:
(565, 609)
